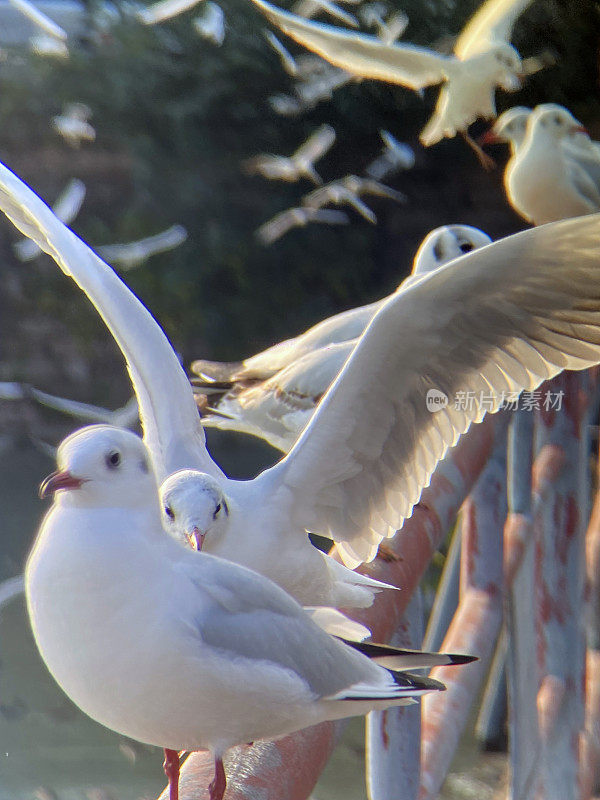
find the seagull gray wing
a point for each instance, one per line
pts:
(362, 54)
(491, 24)
(172, 428)
(499, 320)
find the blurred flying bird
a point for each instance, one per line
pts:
(390, 26)
(310, 8)
(66, 208)
(273, 394)
(483, 60)
(211, 23)
(395, 156)
(164, 10)
(125, 417)
(300, 164)
(347, 191)
(73, 124)
(132, 254)
(291, 218)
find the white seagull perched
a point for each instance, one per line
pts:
(300, 217)
(274, 394)
(483, 60)
(531, 306)
(73, 124)
(347, 191)
(67, 207)
(394, 157)
(300, 164)
(130, 255)
(180, 650)
(211, 23)
(548, 179)
(164, 10)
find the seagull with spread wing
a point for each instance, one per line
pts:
(394, 157)
(531, 307)
(73, 124)
(348, 191)
(483, 61)
(300, 164)
(282, 223)
(273, 394)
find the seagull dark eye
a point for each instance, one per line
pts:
(466, 247)
(113, 459)
(169, 512)
(216, 513)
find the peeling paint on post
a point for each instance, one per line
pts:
(560, 570)
(304, 754)
(476, 623)
(393, 740)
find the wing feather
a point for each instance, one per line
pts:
(491, 24)
(172, 428)
(503, 318)
(362, 54)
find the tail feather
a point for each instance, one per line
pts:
(394, 658)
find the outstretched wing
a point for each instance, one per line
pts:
(317, 144)
(500, 319)
(362, 54)
(172, 428)
(491, 24)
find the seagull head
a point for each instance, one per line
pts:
(444, 244)
(556, 121)
(100, 465)
(510, 128)
(194, 507)
(507, 67)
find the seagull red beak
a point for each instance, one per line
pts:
(580, 129)
(196, 539)
(59, 480)
(489, 137)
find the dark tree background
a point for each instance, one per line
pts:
(175, 116)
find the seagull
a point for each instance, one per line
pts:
(300, 164)
(483, 61)
(291, 218)
(347, 191)
(310, 8)
(390, 27)
(164, 10)
(66, 208)
(510, 127)
(40, 19)
(132, 254)
(124, 417)
(176, 649)
(394, 157)
(528, 303)
(73, 124)
(274, 394)
(544, 182)
(211, 23)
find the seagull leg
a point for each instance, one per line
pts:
(171, 768)
(486, 161)
(218, 784)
